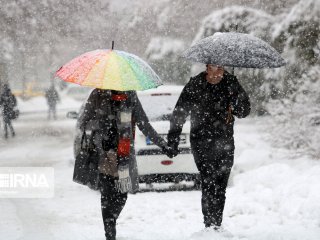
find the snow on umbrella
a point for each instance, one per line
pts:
(110, 69)
(234, 50)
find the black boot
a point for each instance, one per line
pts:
(110, 228)
(112, 203)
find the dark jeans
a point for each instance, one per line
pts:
(112, 203)
(214, 161)
(7, 123)
(52, 110)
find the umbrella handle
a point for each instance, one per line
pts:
(236, 29)
(229, 117)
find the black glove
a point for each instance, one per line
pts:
(169, 151)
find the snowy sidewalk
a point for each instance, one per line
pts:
(272, 195)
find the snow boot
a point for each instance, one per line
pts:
(110, 228)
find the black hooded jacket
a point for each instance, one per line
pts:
(211, 107)
(8, 101)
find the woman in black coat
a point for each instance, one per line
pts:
(112, 116)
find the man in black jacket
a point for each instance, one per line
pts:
(53, 98)
(212, 98)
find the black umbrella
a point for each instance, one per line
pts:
(234, 50)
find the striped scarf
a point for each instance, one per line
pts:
(123, 111)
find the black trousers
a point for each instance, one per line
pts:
(7, 124)
(52, 109)
(112, 203)
(214, 160)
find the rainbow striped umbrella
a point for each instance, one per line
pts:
(110, 69)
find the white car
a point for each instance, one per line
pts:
(79, 93)
(153, 166)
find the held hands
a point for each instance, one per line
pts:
(170, 151)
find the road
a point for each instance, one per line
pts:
(271, 194)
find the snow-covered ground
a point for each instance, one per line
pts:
(273, 194)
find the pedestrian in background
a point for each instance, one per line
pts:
(8, 102)
(53, 98)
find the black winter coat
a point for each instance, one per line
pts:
(211, 107)
(97, 116)
(97, 111)
(52, 96)
(8, 101)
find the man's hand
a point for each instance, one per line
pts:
(170, 151)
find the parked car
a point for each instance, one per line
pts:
(79, 93)
(153, 165)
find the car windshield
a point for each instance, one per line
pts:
(159, 106)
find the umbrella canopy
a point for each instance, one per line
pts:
(234, 50)
(110, 69)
